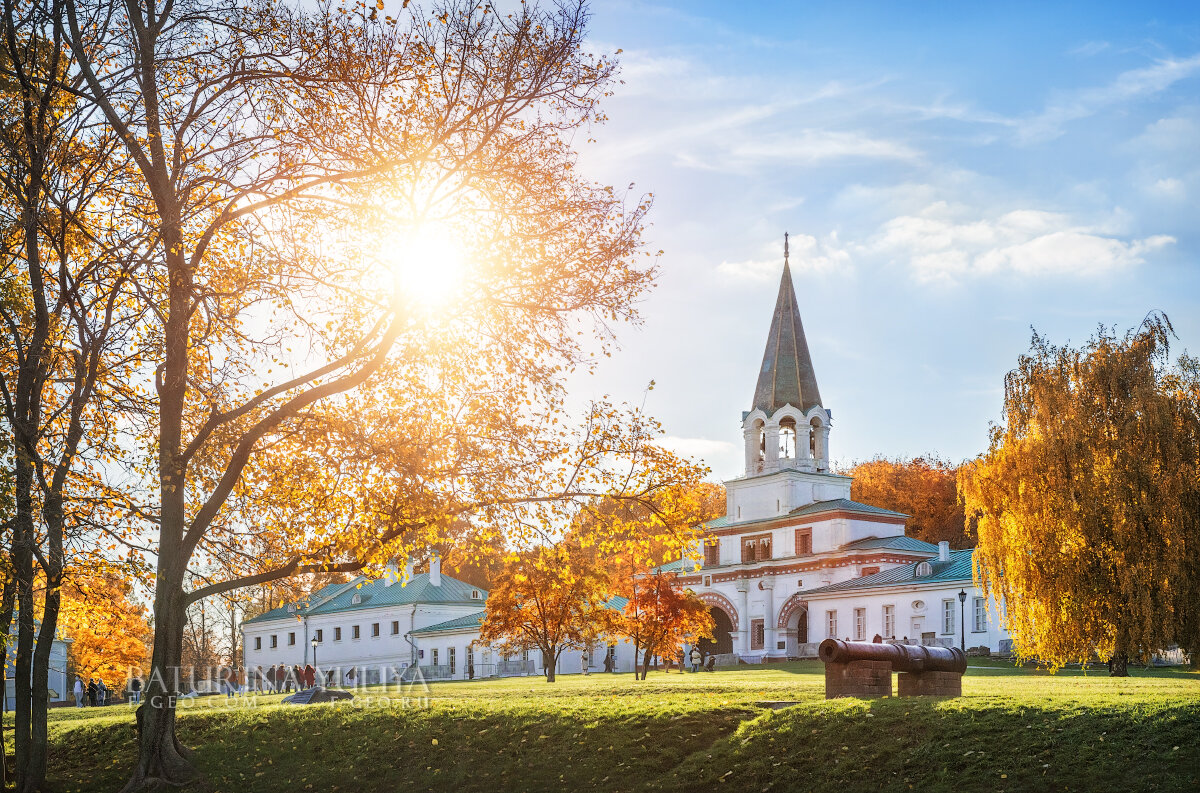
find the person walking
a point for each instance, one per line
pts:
(91, 691)
(608, 662)
(102, 692)
(135, 690)
(80, 690)
(696, 658)
(583, 663)
(310, 676)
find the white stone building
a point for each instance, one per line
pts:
(381, 628)
(794, 560)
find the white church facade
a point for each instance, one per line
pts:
(795, 560)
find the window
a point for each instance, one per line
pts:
(274, 641)
(374, 629)
(257, 642)
(395, 627)
(291, 638)
(357, 598)
(757, 634)
(947, 616)
(712, 553)
(435, 659)
(320, 635)
(866, 571)
(450, 658)
(924, 569)
(860, 624)
(355, 633)
(757, 548)
(803, 542)
(708, 580)
(337, 634)
(831, 624)
(980, 615)
(475, 594)
(889, 622)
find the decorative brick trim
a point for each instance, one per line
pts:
(744, 571)
(791, 606)
(784, 521)
(717, 600)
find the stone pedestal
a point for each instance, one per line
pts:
(929, 684)
(867, 679)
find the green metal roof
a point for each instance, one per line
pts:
(469, 622)
(956, 570)
(374, 594)
(844, 505)
(898, 543)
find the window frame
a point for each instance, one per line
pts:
(831, 623)
(291, 638)
(804, 546)
(374, 630)
(755, 542)
(320, 635)
(395, 627)
(337, 633)
(758, 634)
(949, 618)
(257, 642)
(860, 624)
(274, 641)
(889, 620)
(355, 632)
(979, 612)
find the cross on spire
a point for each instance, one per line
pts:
(785, 247)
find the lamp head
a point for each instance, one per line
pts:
(962, 595)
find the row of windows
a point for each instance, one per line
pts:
(355, 633)
(758, 548)
(888, 618)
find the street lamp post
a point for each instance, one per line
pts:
(316, 669)
(962, 617)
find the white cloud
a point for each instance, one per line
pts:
(702, 448)
(812, 146)
(1170, 187)
(1088, 49)
(1127, 86)
(941, 245)
(808, 254)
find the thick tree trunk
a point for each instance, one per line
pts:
(6, 615)
(161, 758)
(1118, 665)
(646, 664)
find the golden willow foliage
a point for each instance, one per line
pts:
(1088, 499)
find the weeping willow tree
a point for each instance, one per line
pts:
(1088, 499)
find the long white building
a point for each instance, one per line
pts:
(795, 560)
(381, 628)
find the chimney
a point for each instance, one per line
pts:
(435, 571)
(392, 575)
(408, 570)
(943, 551)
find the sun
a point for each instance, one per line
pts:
(427, 264)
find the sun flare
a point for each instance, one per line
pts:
(427, 263)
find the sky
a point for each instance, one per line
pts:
(953, 176)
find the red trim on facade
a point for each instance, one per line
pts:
(894, 557)
(798, 520)
(717, 600)
(791, 606)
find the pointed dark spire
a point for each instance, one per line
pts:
(787, 375)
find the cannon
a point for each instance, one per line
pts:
(862, 669)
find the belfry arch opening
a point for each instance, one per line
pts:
(787, 438)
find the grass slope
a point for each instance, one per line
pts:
(1012, 730)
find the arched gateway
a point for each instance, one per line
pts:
(725, 619)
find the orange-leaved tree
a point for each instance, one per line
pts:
(549, 598)
(109, 631)
(661, 616)
(925, 488)
(1088, 499)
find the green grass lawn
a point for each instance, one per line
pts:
(1013, 729)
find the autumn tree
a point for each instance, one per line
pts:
(660, 616)
(64, 313)
(109, 630)
(1088, 499)
(550, 598)
(323, 396)
(924, 488)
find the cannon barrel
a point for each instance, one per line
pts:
(902, 657)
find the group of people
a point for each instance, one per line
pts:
(283, 678)
(93, 693)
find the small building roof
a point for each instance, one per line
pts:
(377, 593)
(898, 543)
(844, 505)
(468, 622)
(956, 570)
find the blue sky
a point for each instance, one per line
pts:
(951, 176)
